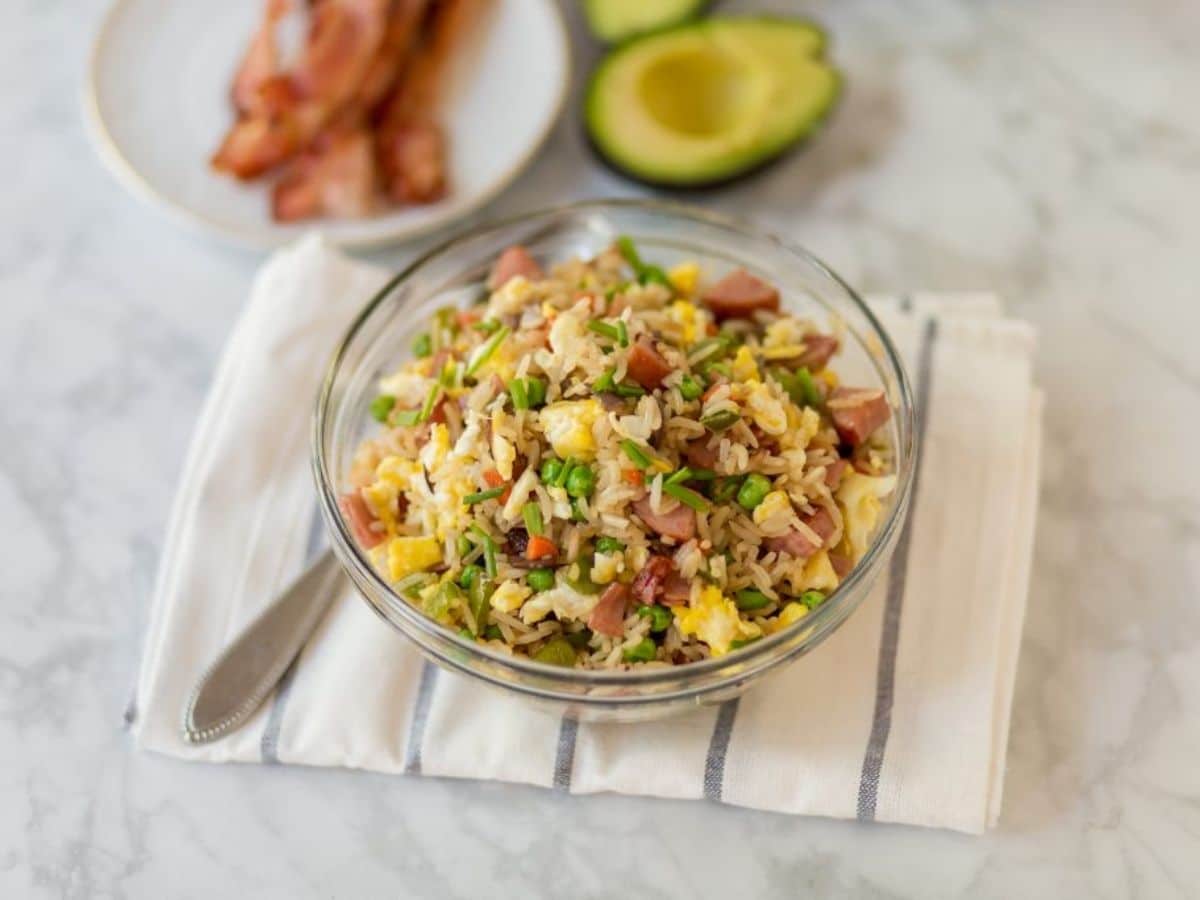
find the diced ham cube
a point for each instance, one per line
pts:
(676, 590)
(360, 520)
(818, 350)
(646, 365)
(649, 581)
(679, 523)
(700, 456)
(608, 616)
(857, 412)
(738, 295)
(834, 472)
(513, 262)
(841, 564)
(799, 542)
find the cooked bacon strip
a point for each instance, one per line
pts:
(646, 365)
(403, 31)
(262, 63)
(513, 262)
(738, 295)
(608, 616)
(335, 178)
(410, 143)
(359, 517)
(679, 523)
(649, 581)
(858, 412)
(343, 38)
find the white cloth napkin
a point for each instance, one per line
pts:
(901, 716)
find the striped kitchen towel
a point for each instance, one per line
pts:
(901, 716)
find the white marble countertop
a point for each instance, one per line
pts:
(1049, 151)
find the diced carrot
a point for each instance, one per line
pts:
(633, 476)
(712, 329)
(539, 547)
(495, 479)
(467, 318)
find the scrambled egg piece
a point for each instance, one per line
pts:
(684, 277)
(435, 451)
(512, 297)
(744, 366)
(607, 566)
(785, 332)
(714, 619)
(568, 427)
(407, 387)
(406, 555)
(768, 411)
(860, 497)
(503, 452)
(684, 314)
(816, 574)
(774, 514)
(565, 602)
(509, 596)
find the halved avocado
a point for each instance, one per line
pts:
(613, 21)
(706, 102)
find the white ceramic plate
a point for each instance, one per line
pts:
(157, 101)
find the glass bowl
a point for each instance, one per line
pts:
(380, 337)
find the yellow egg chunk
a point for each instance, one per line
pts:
(568, 427)
(816, 574)
(744, 366)
(509, 596)
(792, 613)
(714, 619)
(407, 555)
(684, 277)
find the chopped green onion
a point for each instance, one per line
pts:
(719, 421)
(636, 455)
(808, 387)
(577, 510)
(532, 513)
(581, 482)
(606, 544)
(625, 389)
(464, 545)
(489, 550)
(430, 402)
(622, 333)
(739, 643)
(654, 275)
(479, 593)
(812, 599)
(485, 350)
(449, 374)
(725, 489)
(550, 469)
(480, 496)
(492, 633)
(604, 329)
(686, 496)
(703, 475)
(690, 388)
(540, 579)
(422, 346)
(520, 397)
(706, 348)
(381, 406)
(556, 652)
(487, 326)
(536, 389)
(579, 575)
(753, 490)
(643, 651)
(660, 617)
(749, 599)
(469, 574)
(407, 417)
(679, 477)
(465, 634)
(719, 368)
(604, 382)
(629, 251)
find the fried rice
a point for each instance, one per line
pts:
(607, 465)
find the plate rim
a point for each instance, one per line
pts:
(127, 175)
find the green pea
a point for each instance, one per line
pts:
(422, 346)
(551, 468)
(381, 406)
(660, 617)
(643, 651)
(690, 388)
(608, 544)
(753, 490)
(540, 579)
(812, 599)
(581, 482)
(556, 652)
(750, 599)
(469, 574)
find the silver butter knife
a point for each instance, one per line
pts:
(243, 676)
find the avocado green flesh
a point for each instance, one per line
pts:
(613, 21)
(705, 102)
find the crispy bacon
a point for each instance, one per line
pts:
(649, 581)
(336, 177)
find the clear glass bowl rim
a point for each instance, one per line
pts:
(754, 657)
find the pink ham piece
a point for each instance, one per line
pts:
(608, 616)
(676, 590)
(646, 365)
(857, 412)
(513, 262)
(700, 456)
(739, 295)
(841, 564)
(679, 523)
(354, 508)
(834, 472)
(649, 581)
(799, 543)
(818, 350)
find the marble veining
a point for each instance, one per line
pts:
(1048, 151)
